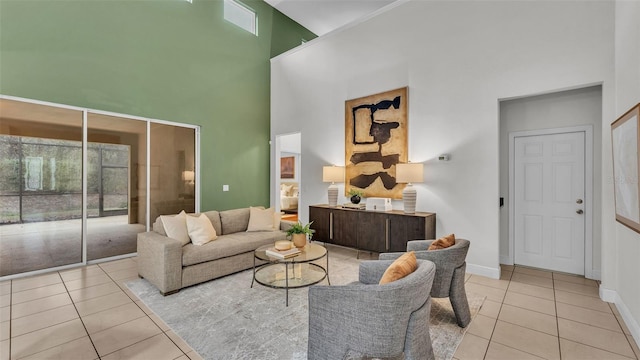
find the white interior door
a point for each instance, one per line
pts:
(549, 188)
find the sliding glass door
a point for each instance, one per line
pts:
(117, 156)
(40, 187)
(76, 184)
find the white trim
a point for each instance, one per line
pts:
(112, 258)
(612, 296)
(493, 273)
(597, 275)
(148, 179)
(588, 189)
(506, 260)
(85, 143)
(99, 112)
(197, 168)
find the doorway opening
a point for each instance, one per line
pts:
(288, 164)
(536, 127)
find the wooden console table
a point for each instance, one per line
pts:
(375, 231)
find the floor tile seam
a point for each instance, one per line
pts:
(527, 327)
(42, 328)
(578, 293)
(119, 269)
(599, 348)
(533, 275)
(47, 327)
(92, 285)
(585, 307)
(82, 322)
(111, 327)
(598, 326)
(137, 342)
(34, 299)
(38, 312)
(526, 283)
(494, 287)
(35, 287)
(176, 345)
(535, 296)
(514, 348)
(555, 307)
(495, 324)
(95, 297)
(179, 337)
(572, 283)
(54, 346)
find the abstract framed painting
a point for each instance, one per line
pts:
(376, 132)
(625, 132)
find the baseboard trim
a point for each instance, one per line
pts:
(612, 296)
(483, 271)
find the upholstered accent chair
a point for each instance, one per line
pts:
(450, 270)
(364, 319)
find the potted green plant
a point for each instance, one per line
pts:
(298, 233)
(356, 195)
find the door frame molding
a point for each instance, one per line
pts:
(588, 188)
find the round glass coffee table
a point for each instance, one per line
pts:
(291, 273)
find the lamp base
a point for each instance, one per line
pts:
(409, 199)
(332, 193)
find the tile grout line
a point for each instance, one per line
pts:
(625, 334)
(149, 317)
(555, 306)
(79, 316)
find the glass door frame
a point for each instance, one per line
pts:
(85, 115)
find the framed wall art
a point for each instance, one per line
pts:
(376, 135)
(287, 167)
(624, 139)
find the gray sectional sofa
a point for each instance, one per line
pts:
(169, 266)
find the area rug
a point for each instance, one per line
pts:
(227, 319)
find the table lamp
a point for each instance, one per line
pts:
(333, 174)
(409, 173)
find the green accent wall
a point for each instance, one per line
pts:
(162, 59)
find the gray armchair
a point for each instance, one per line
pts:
(364, 319)
(450, 271)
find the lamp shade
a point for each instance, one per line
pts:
(333, 174)
(410, 173)
(188, 175)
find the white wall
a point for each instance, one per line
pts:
(561, 109)
(458, 59)
(621, 251)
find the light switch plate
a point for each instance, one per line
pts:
(225, 187)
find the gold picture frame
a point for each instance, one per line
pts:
(625, 135)
(376, 133)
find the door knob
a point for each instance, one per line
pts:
(579, 211)
(579, 201)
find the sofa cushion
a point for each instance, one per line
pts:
(200, 229)
(234, 221)
(228, 245)
(261, 219)
(214, 217)
(176, 227)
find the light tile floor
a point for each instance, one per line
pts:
(87, 313)
(536, 314)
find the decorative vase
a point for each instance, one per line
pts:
(355, 199)
(299, 240)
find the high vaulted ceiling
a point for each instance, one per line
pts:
(323, 16)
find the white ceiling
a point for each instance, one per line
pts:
(323, 16)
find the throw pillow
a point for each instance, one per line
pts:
(277, 217)
(443, 242)
(200, 229)
(261, 219)
(176, 227)
(401, 267)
